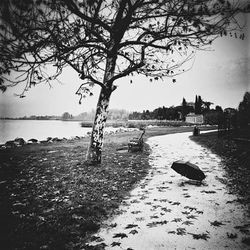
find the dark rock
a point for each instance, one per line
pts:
(44, 141)
(56, 139)
(10, 144)
(33, 140)
(49, 139)
(19, 141)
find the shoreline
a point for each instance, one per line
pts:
(20, 141)
(42, 129)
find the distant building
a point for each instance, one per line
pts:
(195, 119)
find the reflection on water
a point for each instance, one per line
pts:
(166, 211)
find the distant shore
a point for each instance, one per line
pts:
(89, 123)
(39, 119)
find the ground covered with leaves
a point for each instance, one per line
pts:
(51, 199)
(234, 148)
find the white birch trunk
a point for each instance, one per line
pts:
(94, 153)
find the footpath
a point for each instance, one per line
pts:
(167, 211)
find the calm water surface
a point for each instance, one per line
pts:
(27, 129)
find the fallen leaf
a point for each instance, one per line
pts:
(208, 192)
(156, 223)
(133, 232)
(156, 206)
(140, 219)
(120, 235)
(190, 208)
(199, 212)
(167, 210)
(192, 217)
(131, 226)
(171, 232)
(176, 203)
(176, 220)
(232, 236)
(181, 231)
(115, 244)
(216, 223)
(202, 236)
(135, 212)
(135, 201)
(163, 200)
(188, 222)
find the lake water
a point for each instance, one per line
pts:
(27, 129)
(42, 129)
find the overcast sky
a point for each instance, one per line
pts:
(221, 76)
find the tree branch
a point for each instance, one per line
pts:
(73, 7)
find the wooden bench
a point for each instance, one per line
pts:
(136, 144)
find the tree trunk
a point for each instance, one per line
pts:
(94, 153)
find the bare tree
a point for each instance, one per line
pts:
(104, 40)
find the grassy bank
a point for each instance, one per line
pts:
(234, 148)
(51, 199)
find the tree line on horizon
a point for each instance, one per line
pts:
(236, 117)
(176, 112)
(199, 106)
(211, 116)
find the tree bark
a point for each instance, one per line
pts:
(94, 153)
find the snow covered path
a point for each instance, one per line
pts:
(167, 211)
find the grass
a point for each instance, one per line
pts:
(51, 199)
